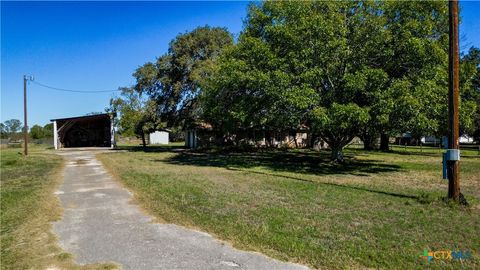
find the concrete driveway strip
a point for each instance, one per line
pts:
(100, 224)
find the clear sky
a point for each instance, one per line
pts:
(90, 46)
(98, 45)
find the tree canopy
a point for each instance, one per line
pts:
(11, 129)
(138, 115)
(343, 69)
(173, 82)
(295, 61)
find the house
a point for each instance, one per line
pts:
(199, 135)
(406, 138)
(84, 131)
(433, 140)
(159, 137)
(293, 138)
(203, 135)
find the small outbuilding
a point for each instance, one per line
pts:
(199, 135)
(159, 137)
(84, 131)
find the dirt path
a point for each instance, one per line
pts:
(100, 225)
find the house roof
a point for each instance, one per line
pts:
(200, 125)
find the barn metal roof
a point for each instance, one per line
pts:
(94, 116)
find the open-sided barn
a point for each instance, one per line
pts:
(84, 131)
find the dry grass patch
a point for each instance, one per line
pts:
(28, 207)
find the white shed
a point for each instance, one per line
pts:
(159, 137)
(466, 139)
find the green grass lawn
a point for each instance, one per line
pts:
(378, 210)
(28, 206)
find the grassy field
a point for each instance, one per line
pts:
(28, 206)
(378, 210)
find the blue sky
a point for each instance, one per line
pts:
(90, 46)
(98, 45)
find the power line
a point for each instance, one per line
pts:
(75, 91)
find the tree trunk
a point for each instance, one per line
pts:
(337, 154)
(310, 139)
(295, 139)
(368, 142)
(384, 142)
(218, 137)
(144, 143)
(268, 142)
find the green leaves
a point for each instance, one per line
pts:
(138, 115)
(175, 81)
(470, 93)
(339, 119)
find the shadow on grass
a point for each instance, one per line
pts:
(401, 152)
(418, 198)
(148, 149)
(466, 150)
(307, 162)
(303, 162)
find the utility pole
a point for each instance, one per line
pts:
(25, 126)
(453, 152)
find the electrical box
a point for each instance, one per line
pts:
(453, 155)
(450, 155)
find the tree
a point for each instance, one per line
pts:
(294, 58)
(416, 62)
(37, 132)
(138, 115)
(296, 63)
(248, 91)
(48, 130)
(3, 131)
(338, 125)
(174, 81)
(12, 127)
(470, 93)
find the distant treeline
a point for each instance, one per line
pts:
(12, 130)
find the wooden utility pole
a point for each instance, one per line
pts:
(453, 167)
(25, 125)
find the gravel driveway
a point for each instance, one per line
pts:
(100, 224)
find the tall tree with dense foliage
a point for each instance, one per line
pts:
(36, 132)
(299, 62)
(138, 115)
(470, 93)
(416, 63)
(48, 130)
(12, 128)
(174, 81)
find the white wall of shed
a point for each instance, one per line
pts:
(466, 139)
(112, 134)
(55, 135)
(159, 137)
